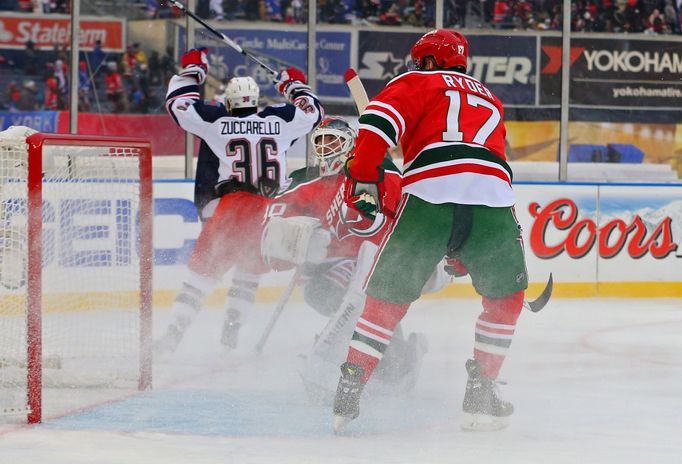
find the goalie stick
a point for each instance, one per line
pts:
(357, 90)
(278, 311)
(540, 302)
(223, 37)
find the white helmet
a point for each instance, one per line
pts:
(241, 92)
(333, 141)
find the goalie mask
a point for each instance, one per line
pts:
(449, 49)
(333, 142)
(241, 92)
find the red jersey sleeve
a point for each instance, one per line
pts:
(383, 123)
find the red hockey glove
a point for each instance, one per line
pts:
(454, 267)
(195, 64)
(290, 81)
(364, 196)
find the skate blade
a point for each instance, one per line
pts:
(483, 423)
(340, 423)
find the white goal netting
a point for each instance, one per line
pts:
(90, 278)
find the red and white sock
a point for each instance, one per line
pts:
(494, 331)
(373, 333)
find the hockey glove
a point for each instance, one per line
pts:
(290, 81)
(455, 268)
(364, 196)
(195, 64)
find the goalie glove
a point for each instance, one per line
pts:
(290, 81)
(297, 239)
(454, 267)
(364, 196)
(195, 64)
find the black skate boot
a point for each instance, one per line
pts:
(483, 409)
(347, 399)
(231, 329)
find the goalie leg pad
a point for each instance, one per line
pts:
(438, 280)
(328, 285)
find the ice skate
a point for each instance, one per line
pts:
(347, 399)
(169, 342)
(483, 409)
(231, 329)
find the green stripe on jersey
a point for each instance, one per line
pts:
(388, 164)
(456, 152)
(380, 123)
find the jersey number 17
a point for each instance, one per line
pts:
(453, 132)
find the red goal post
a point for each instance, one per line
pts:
(75, 266)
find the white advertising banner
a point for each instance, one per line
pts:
(583, 234)
(602, 234)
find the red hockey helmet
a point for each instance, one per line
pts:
(448, 48)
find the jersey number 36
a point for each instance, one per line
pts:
(248, 168)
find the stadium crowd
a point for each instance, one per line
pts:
(118, 83)
(132, 82)
(632, 16)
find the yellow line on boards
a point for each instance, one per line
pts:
(14, 304)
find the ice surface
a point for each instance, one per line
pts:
(593, 381)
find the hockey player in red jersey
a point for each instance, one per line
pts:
(333, 287)
(457, 201)
(242, 161)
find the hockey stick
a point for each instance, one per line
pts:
(357, 90)
(540, 302)
(278, 311)
(223, 37)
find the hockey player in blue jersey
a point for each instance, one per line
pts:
(242, 162)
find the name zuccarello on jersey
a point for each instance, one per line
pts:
(250, 127)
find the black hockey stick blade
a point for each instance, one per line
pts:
(540, 302)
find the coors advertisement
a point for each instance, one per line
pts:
(628, 72)
(607, 233)
(505, 64)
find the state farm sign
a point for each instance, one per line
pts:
(47, 31)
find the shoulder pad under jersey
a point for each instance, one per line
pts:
(300, 176)
(285, 112)
(210, 113)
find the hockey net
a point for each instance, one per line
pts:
(75, 269)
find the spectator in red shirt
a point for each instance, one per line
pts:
(501, 15)
(115, 91)
(51, 94)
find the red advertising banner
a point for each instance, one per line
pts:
(166, 137)
(50, 30)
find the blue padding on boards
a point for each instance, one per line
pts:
(624, 153)
(587, 153)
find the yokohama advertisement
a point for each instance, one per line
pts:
(50, 30)
(383, 55)
(611, 72)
